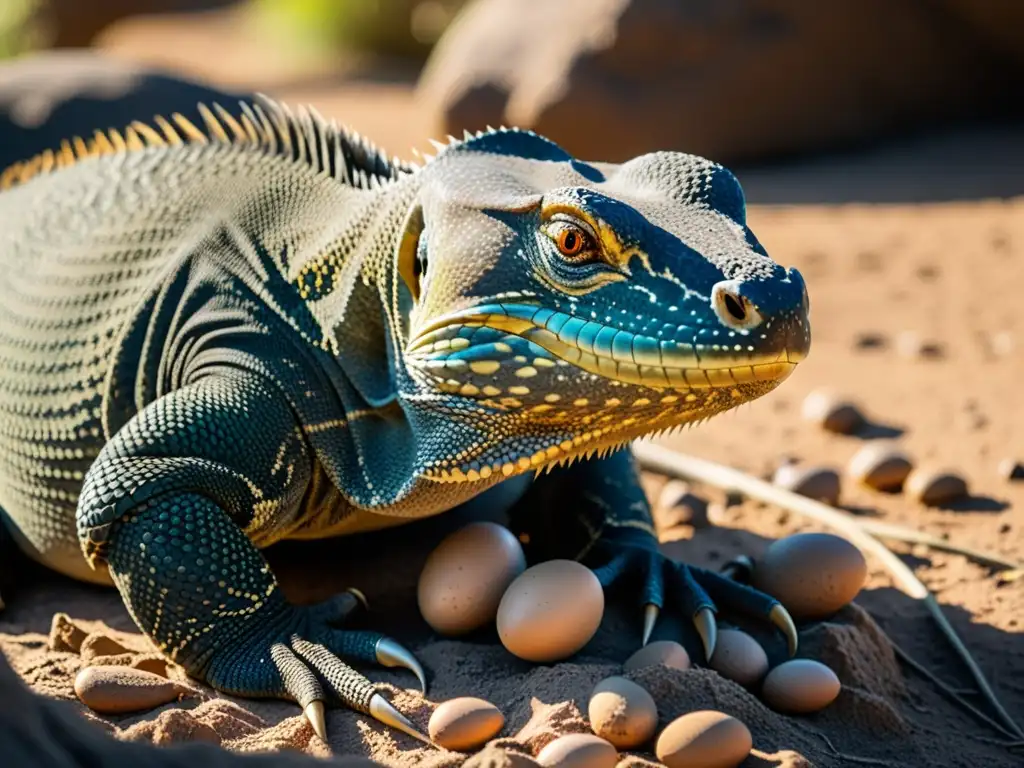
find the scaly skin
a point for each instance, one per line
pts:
(216, 339)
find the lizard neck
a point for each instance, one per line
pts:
(346, 281)
(374, 440)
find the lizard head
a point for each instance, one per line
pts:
(561, 307)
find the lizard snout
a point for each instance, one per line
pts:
(772, 313)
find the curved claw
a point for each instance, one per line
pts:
(391, 654)
(338, 608)
(360, 597)
(780, 618)
(314, 712)
(707, 628)
(738, 569)
(650, 617)
(382, 710)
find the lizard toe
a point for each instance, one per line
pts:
(697, 592)
(340, 607)
(311, 666)
(369, 647)
(747, 600)
(301, 684)
(350, 687)
(695, 602)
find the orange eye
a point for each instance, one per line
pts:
(570, 241)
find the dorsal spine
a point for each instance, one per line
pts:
(268, 126)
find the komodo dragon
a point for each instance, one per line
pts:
(214, 337)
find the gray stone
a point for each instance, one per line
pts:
(737, 80)
(51, 96)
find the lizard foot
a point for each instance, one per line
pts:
(696, 591)
(306, 654)
(214, 607)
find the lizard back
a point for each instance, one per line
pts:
(108, 252)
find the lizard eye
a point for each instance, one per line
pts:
(573, 242)
(570, 242)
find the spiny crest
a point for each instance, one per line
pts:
(269, 126)
(519, 142)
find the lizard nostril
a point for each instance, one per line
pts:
(732, 307)
(735, 307)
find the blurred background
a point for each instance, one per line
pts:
(845, 101)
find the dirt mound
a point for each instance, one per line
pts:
(540, 703)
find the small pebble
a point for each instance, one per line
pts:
(830, 412)
(881, 466)
(869, 340)
(465, 723)
(678, 506)
(65, 635)
(817, 483)
(667, 653)
(622, 712)
(1011, 469)
(933, 487)
(1002, 344)
(720, 514)
(740, 568)
(912, 345)
(739, 657)
(97, 644)
(116, 690)
(732, 498)
(704, 739)
(152, 663)
(800, 686)
(579, 750)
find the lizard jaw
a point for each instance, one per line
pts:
(612, 353)
(653, 385)
(587, 443)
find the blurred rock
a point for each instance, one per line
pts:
(678, 506)
(1001, 344)
(999, 24)
(402, 28)
(74, 24)
(1011, 469)
(830, 411)
(880, 465)
(65, 635)
(610, 79)
(869, 340)
(50, 96)
(911, 345)
(39, 732)
(819, 483)
(934, 487)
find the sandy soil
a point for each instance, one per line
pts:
(951, 273)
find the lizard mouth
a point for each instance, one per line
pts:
(597, 440)
(448, 343)
(677, 382)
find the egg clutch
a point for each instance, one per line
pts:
(478, 575)
(547, 612)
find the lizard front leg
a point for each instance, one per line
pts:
(596, 511)
(170, 504)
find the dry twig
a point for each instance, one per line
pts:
(666, 461)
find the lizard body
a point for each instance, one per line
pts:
(214, 338)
